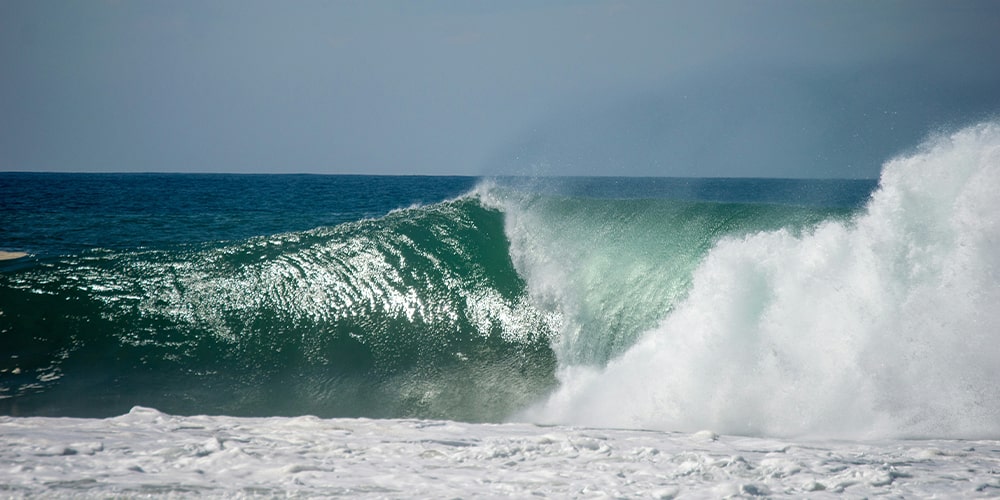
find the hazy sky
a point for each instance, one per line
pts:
(719, 88)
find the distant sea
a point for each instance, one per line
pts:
(770, 308)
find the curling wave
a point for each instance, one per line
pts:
(747, 314)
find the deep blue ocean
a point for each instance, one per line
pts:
(259, 295)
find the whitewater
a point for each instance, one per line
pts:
(883, 325)
(620, 348)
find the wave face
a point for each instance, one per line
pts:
(417, 313)
(882, 325)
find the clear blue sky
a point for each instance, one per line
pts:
(718, 88)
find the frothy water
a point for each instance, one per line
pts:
(883, 325)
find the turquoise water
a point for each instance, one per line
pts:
(433, 297)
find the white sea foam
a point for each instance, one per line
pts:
(146, 453)
(884, 326)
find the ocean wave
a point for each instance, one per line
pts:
(648, 311)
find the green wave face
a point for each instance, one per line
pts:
(462, 310)
(419, 313)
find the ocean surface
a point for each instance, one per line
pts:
(163, 334)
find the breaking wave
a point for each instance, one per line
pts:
(666, 312)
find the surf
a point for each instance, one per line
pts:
(884, 324)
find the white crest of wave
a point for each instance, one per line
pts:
(885, 326)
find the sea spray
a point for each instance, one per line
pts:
(885, 325)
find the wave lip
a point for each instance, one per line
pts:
(885, 325)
